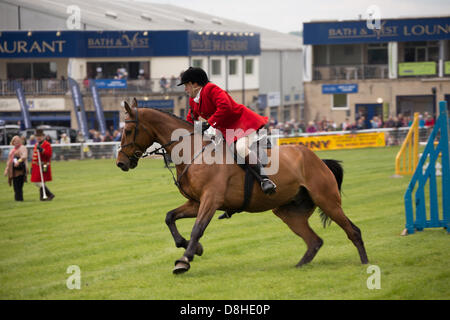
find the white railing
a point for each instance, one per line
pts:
(109, 150)
(60, 87)
(77, 151)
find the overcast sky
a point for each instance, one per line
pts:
(288, 15)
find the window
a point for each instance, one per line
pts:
(421, 51)
(339, 100)
(287, 113)
(118, 70)
(216, 66)
(197, 63)
(320, 55)
(35, 70)
(248, 66)
(345, 54)
(377, 53)
(45, 70)
(274, 113)
(19, 71)
(233, 67)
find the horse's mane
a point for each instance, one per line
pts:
(172, 115)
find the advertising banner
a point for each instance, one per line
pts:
(335, 142)
(339, 88)
(447, 67)
(224, 43)
(23, 104)
(98, 107)
(156, 104)
(390, 30)
(110, 83)
(161, 43)
(417, 68)
(78, 105)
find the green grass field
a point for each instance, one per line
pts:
(111, 224)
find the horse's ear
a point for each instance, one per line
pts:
(127, 108)
(135, 103)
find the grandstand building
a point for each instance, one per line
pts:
(355, 68)
(137, 49)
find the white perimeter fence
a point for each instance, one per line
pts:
(109, 150)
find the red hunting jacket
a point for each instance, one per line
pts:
(46, 156)
(222, 113)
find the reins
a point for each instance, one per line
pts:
(159, 151)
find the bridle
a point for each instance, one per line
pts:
(140, 150)
(142, 153)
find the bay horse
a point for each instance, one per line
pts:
(304, 182)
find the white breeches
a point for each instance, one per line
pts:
(243, 144)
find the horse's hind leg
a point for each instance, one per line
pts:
(187, 210)
(335, 212)
(352, 231)
(297, 221)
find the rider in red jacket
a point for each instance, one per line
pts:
(218, 108)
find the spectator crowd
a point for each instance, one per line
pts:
(293, 127)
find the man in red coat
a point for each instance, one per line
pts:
(44, 148)
(237, 123)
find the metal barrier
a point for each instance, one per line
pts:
(351, 72)
(106, 150)
(77, 151)
(61, 87)
(35, 87)
(421, 176)
(74, 151)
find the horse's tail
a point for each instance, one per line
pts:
(338, 171)
(336, 168)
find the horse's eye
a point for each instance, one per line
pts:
(127, 132)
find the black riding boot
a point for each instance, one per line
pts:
(267, 185)
(41, 194)
(49, 194)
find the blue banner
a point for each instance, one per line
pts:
(339, 88)
(86, 44)
(224, 43)
(262, 101)
(399, 30)
(23, 104)
(78, 105)
(156, 104)
(98, 107)
(110, 83)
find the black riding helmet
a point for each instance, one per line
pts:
(194, 75)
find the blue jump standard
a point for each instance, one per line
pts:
(421, 177)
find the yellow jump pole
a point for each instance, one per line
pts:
(410, 147)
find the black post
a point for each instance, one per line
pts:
(433, 90)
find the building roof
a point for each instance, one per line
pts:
(137, 15)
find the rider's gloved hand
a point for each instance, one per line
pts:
(205, 126)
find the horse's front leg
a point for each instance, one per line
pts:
(205, 213)
(187, 210)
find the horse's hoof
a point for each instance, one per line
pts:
(181, 265)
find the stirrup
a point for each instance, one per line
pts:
(268, 189)
(226, 215)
